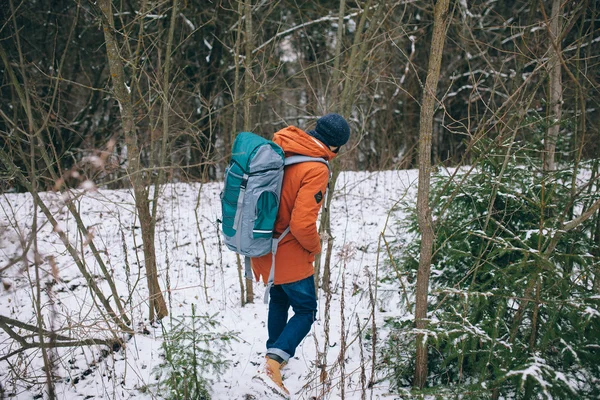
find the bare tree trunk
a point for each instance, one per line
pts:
(122, 94)
(555, 88)
(357, 57)
(248, 78)
(248, 89)
(338, 51)
(46, 353)
(361, 43)
(440, 20)
(229, 138)
(596, 253)
(37, 298)
(596, 283)
(324, 225)
(166, 108)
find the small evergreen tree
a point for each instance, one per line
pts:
(191, 351)
(508, 314)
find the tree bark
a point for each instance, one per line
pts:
(134, 169)
(555, 89)
(324, 225)
(248, 89)
(423, 210)
(166, 108)
(229, 136)
(361, 42)
(248, 78)
(596, 283)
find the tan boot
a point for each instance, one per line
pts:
(273, 371)
(282, 364)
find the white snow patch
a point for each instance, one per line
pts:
(187, 22)
(194, 268)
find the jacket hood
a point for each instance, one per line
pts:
(295, 141)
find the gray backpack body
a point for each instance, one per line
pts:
(250, 197)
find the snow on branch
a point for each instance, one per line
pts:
(574, 223)
(308, 23)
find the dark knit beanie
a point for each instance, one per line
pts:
(332, 130)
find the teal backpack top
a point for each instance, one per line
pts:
(250, 197)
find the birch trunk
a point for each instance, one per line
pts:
(423, 209)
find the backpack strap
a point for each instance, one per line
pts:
(248, 267)
(288, 161)
(238, 212)
(271, 279)
(300, 159)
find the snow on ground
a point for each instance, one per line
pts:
(194, 270)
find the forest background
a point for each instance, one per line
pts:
(136, 94)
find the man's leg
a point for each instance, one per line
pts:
(278, 313)
(303, 299)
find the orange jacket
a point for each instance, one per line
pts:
(302, 194)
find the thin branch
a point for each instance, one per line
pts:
(574, 223)
(304, 25)
(75, 343)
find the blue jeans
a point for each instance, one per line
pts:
(284, 335)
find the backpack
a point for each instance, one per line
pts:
(250, 197)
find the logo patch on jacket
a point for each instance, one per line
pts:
(319, 197)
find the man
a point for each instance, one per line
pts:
(302, 194)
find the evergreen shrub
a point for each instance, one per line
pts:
(508, 318)
(192, 349)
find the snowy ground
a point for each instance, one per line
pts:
(198, 272)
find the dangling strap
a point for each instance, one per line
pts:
(248, 267)
(272, 272)
(238, 211)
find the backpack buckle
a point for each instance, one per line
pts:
(244, 182)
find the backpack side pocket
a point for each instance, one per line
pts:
(266, 212)
(229, 200)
